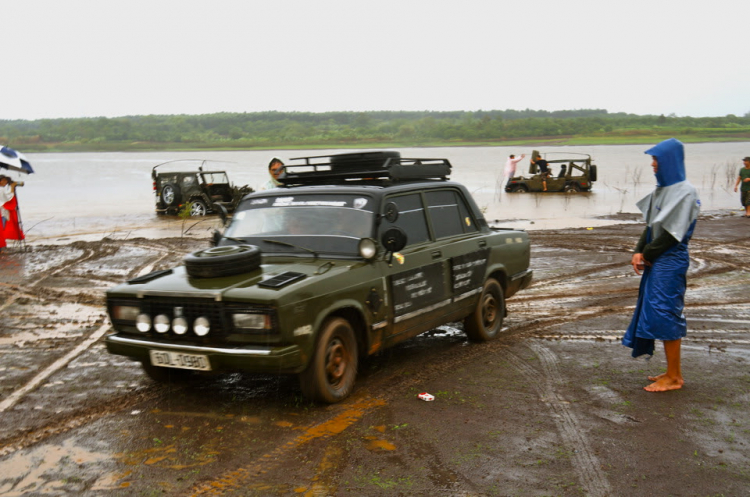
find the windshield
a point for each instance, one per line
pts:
(329, 224)
(215, 178)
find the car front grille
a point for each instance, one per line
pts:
(219, 315)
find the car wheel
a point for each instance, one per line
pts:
(572, 188)
(520, 189)
(166, 375)
(486, 321)
(222, 261)
(198, 208)
(170, 195)
(332, 370)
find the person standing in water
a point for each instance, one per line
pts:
(670, 211)
(743, 179)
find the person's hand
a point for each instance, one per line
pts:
(639, 263)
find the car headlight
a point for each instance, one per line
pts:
(251, 321)
(367, 248)
(201, 326)
(161, 323)
(179, 325)
(143, 323)
(125, 312)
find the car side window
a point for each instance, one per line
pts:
(448, 213)
(411, 218)
(188, 181)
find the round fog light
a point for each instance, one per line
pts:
(143, 323)
(161, 323)
(179, 325)
(201, 326)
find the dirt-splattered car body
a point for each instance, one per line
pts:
(356, 253)
(575, 173)
(186, 182)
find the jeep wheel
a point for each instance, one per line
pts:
(222, 261)
(166, 375)
(486, 321)
(198, 208)
(519, 189)
(170, 195)
(330, 375)
(572, 188)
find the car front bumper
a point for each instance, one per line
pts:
(253, 359)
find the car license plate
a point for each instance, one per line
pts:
(179, 360)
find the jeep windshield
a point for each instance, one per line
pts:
(215, 178)
(326, 224)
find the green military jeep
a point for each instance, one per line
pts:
(190, 185)
(355, 253)
(576, 173)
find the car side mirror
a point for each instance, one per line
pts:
(393, 239)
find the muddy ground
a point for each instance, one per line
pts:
(554, 407)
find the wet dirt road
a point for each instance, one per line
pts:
(555, 407)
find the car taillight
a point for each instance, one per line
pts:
(154, 185)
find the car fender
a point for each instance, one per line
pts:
(203, 198)
(342, 308)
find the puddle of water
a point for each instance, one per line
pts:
(56, 470)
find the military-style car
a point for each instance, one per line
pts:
(576, 173)
(355, 253)
(190, 185)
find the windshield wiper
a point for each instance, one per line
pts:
(279, 242)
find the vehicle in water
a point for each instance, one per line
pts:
(575, 173)
(201, 190)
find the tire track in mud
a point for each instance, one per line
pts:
(80, 418)
(348, 413)
(32, 290)
(593, 480)
(28, 288)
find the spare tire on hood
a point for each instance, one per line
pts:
(226, 260)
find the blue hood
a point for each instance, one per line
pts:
(670, 155)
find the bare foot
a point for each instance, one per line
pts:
(664, 384)
(681, 381)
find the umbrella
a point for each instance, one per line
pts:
(14, 161)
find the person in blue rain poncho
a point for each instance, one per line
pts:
(670, 211)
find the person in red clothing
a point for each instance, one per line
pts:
(10, 226)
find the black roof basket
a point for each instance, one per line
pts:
(381, 167)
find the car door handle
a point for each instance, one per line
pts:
(482, 243)
(437, 254)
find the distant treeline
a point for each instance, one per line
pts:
(331, 129)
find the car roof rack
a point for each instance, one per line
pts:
(372, 168)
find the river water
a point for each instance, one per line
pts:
(96, 193)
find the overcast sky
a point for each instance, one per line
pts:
(87, 58)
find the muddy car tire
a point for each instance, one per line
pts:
(170, 195)
(486, 321)
(198, 208)
(222, 261)
(332, 370)
(572, 188)
(166, 375)
(519, 189)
